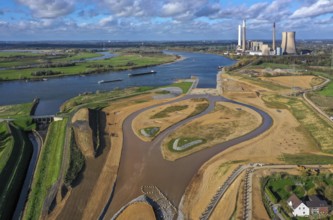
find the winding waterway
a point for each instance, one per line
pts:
(54, 92)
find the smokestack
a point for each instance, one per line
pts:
(239, 35)
(273, 44)
(244, 36)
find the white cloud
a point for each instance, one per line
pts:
(320, 7)
(49, 8)
(106, 21)
(173, 8)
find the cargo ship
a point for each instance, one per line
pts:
(109, 81)
(141, 74)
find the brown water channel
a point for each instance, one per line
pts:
(142, 162)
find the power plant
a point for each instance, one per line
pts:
(288, 45)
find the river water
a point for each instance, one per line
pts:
(54, 92)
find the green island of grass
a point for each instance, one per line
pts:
(64, 65)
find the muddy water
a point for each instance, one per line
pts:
(142, 163)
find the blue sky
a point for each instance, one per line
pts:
(162, 19)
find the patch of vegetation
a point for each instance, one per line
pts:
(150, 131)
(48, 168)
(283, 185)
(25, 123)
(263, 83)
(97, 97)
(162, 92)
(15, 111)
(185, 86)
(6, 144)
(76, 164)
(14, 171)
(144, 88)
(199, 108)
(328, 90)
(185, 140)
(307, 159)
(165, 113)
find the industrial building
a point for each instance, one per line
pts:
(258, 48)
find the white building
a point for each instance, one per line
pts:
(298, 207)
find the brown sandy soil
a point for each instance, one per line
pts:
(259, 211)
(199, 91)
(144, 119)
(227, 205)
(138, 211)
(204, 186)
(82, 114)
(227, 122)
(233, 84)
(285, 136)
(304, 82)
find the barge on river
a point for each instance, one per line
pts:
(141, 74)
(109, 81)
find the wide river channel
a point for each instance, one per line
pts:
(54, 92)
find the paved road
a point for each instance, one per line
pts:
(142, 163)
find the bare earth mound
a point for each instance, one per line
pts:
(227, 122)
(153, 118)
(138, 211)
(83, 132)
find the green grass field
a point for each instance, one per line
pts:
(6, 144)
(165, 113)
(122, 62)
(185, 86)
(13, 173)
(15, 111)
(307, 159)
(48, 169)
(328, 90)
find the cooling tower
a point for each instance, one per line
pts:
(291, 46)
(288, 43)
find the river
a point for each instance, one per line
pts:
(55, 91)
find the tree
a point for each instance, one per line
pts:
(329, 192)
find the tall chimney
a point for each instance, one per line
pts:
(273, 44)
(239, 35)
(244, 36)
